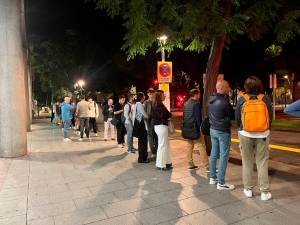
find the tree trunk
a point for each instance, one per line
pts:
(213, 67)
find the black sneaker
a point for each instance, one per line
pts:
(193, 167)
(169, 166)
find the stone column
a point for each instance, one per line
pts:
(13, 118)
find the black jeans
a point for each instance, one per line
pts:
(93, 124)
(121, 133)
(152, 139)
(84, 126)
(142, 143)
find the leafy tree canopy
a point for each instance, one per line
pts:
(192, 25)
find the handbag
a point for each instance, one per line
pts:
(171, 127)
(138, 128)
(205, 127)
(190, 131)
(115, 121)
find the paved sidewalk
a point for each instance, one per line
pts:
(96, 183)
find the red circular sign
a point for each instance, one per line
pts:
(165, 70)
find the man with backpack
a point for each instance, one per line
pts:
(254, 116)
(191, 129)
(220, 113)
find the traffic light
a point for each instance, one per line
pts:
(155, 82)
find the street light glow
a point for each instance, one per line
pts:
(163, 39)
(286, 77)
(81, 83)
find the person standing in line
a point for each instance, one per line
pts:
(57, 113)
(108, 114)
(139, 116)
(160, 117)
(67, 114)
(293, 109)
(82, 111)
(128, 111)
(152, 137)
(192, 118)
(220, 113)
(254, 116)
(94, 113)
(118, 110)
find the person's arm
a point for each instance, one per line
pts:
(238, 111)
(197, 114)
(77, 110)
(270, 109)
(117, 112)
(142, 110)
(126, 112)
(166, 112)
(97, 110)
(293, 109)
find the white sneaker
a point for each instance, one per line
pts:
(96, 135)
(80, 139)
(222, 187)
(212, 181)
(248, 193)
(67, 139)
(120, 146)
(265, 196)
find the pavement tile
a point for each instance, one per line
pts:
(79, 217)
(124, 207)
(17, 220)
(106, 188)
(129, 193)
(13, 208)
(94, 201)
(197, 204)
(164, 197)
(45, 221)
(200, 218)
(128, 219)
(49, 210)
(159, 214)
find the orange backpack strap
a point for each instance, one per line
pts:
(246, 97)
(260, 97)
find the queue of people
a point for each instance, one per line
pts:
(148, 121)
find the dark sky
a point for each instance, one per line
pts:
(101, 38)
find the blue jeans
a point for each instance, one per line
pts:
(293, 109)
(220, 146)
(129, 129)
(67, 125)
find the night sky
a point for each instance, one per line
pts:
(104, 62)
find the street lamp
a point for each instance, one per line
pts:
(162, 41)
(81, 83)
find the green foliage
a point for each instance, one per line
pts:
(192, 25)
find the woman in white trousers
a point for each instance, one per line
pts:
(160, 117)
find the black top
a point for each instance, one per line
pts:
(118, 107)
(106, 113)
(160, 115)
(192, 114)
(220, 112)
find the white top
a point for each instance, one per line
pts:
(255, 134)
(94, 110)
(139, 114)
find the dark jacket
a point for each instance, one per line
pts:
(239, 106)
(220, 113)
(192, 114)
(106, 113)
(160, 115)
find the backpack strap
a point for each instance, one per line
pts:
(260, 97)
(246, 97)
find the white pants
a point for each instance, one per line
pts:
(108, 125)
(163, 156)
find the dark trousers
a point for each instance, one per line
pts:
(152, 139)
(142, 142)
(84, 126)
(93, 124)
(121, 133)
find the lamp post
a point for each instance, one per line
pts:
(162, 42)
(79, 84)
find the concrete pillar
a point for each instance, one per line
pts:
(13, 118)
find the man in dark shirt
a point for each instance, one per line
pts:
(192, 115)
(220, 113)
(118, 109)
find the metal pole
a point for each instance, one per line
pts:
(274, 103)
(163, 54)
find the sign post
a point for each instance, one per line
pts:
(164, 76)
(273, 85)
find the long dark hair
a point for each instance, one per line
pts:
(139, 96)
(157, 98)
